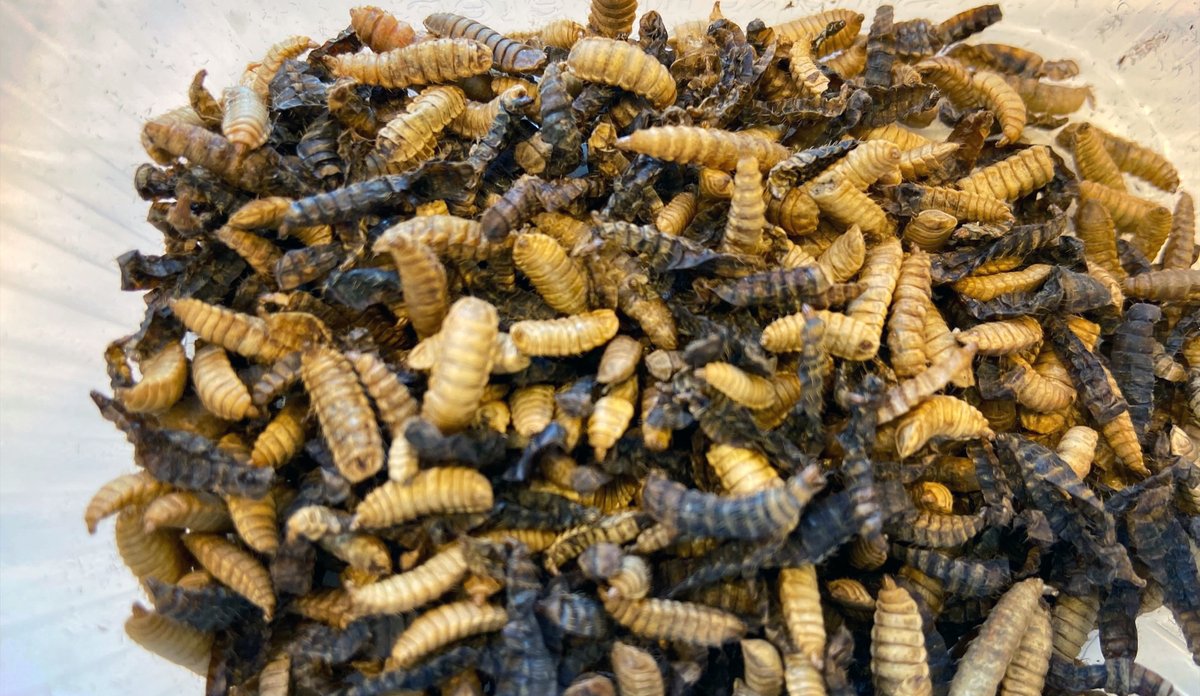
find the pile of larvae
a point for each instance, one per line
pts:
(586, 360)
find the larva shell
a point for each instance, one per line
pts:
(1127, 211)
(1095, 228)
(988, 287)
(609, 420)
(557, 277)
(260, 213)
(423, 63)
(315, 522)
(255, 521)
(1164, 286)
(379, 30)
(217, 384)
(1004, 102)
(930, 229)
(199, 512)
(677, 213)
(532, 408)
(331, 607)
(120, 493)
(234, 568)
(800, 602)
(898, 643)
(283, 437)
(423, 280)
(895, 133)
(635, 669)
(964, 205)
(362, 552)
(1135, 159)
(851, 61)
(742, 471)
(1003, 337)
(906, 327)
(939, 416)
(246, 122)
(507, 55)
(1178, 248)
(801, 675)
(925, 160)
(407, 136)
(743, 388)
(946, 365)
(843, 259)
(261, 254)
(241, 333)
(763, 667)
(392, 399)
(1073, 619)
(572, 335)
(164, 377)
(983, 666)
(1014, 177)
(708, 147)
(344, 413)
(952, 79)
(864, 165)
(438, 490)
(683, 622)
(619, 360)
(183, 115)
(847, 205)
(631, 580)
(148, 554)
(1092, 161)
(461, 372)
(805, 28)
(259, 76)
(1026, 673)
(807, 76)
(747, 211)
(170, 640)
(624, 65)
(275, 677)
(444, 625)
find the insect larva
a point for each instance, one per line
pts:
(841, 201)
(906, 327)
(608, 421)
(404, 138)
(314, 522)
(379, 30)
(898, 643)
(804, 28)
(476, 119)
(807, 76)
(624, 65)
(987, 287)
(619, 360)
(1003, 101)
(532, 408)
(217, 384)
(964, 205)
(557, 277)
(612, 18)
(845, 256)
(183, 115)
(851, 61)
(427, 62)
(1003, 337)
(260, 213)
(1073, 619)
(845, 337)
(423, 279)
(747, 211)
(801, 675)
(895, 133)
(507, 55)
(344, 413)
(360, 551)
(1026, 673)
(241, 333)
(200, 512)
(459, 375)
(789, 389)
(930, 229)
(677, 213)
(800, 603)
(684, 622)
(925, 160)
(631, 580)
(331, 607)
(1127, 211)
(392, 399)
(932, 496)
(952, 80)
(1178, 249)
(120, 493)
(148, 554)
(234, 568)
(258, 76)
(636, 671)
(1173, 285)
(1133, 158)
(1095, 228)
(742, 471)
(1048, 98)
(708, 147)
(1013, 177)
(260, 171)
(171, 640)
(741, 387)
(1093, 161)
(246, 123)
(1153, 231)
(939, 416)
(880, 272)
(255, 522)
(260, 253)
(275, 677)
(1033, 391)
(443, 625)
(982, 669)
(164, 377)
(438, 490)
(763, 667)
(871, 161)
(572, 335)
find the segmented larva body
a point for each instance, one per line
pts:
(1127, 211)
(619, 360)
(684, 622)
(120, 493)
(532, 408)
(845, 337)
(714, 183)
(851, 61)
(1178, 250)
(443, 625)
(930, 229)
(438, 490)
(379, 30)
(635, 669)
(344, 413)
(460, 374)
(392, 399)
(423, 279)
(1095, 228)
(612, 18)
(898, 643)
(939, 416)
(624, 65)
(476, 119)
(427, 62)
(183, 115)
(906, 328)
(763, 667)
(1153, 231)
(951, 78)
(1135, 159)
(677, 213)
(631, 580)
(983, 666)
(241, 333)
(1013, 177)
(895, 133)
(507, 55)
(709, 147)
(847, 205)
(743, 388)
(1026, 673)
(869, 162)
(945, 366)
(148, 554)
(164, 377)
(742, 471)
(1003, 337)
(246, 122)
(988, 287)
(258, 77)
(805, 28)
(609, 420)
(170, 640)
(965, 205)
(260, 253)
(314, 522)
(255, 522)
(1004, 102)
(410, 134)
(199, 512)
(217, 384)
(275, 677)
(557, 277)
(1073, 619)
(233, 567)
(881, 270)
(1033, 391)
(1093, 161)
(453, 237)
(572, 335)
(845, 256)
(260, 213)
(800, 602)
(932, 496)
(1164, 286)
(924, 160)
(747, 211)
(807, 76)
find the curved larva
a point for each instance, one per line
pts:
(200, 512)
(233, 567)
(170, 640)
(572, 335)
(939, 416)
(415, 588)
(256, 522)
(258, 76)
(283, 437)
(439, 490)
(763, 667)
(612, 18)
(742, 471)
(636, 671)
(811, 25)
(423, 280)
(557, 277)
(444, 625)
(1013, 177)
(217, 384)
(460, 374)
(392, 399)
(409, 134)
(709, 147)
(164, 377)
(246, 122)
(148, 554)
(624, 65)
(379, 30)
(747, 389)
(843, 259)
(120, 493)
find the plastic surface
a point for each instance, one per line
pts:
(77, 82)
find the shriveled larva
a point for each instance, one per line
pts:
(1095, 228)
(532, 408)
(631, 579)
(843, 259)
(379, 30)
(1092, 160)
(747, 211)
(148, 554)
(260, 171)
(233, 567)
(344, 413)
(423, 279)
(930, 229)
(258, 76)
(1033, 391)
(1127, 211)
(987, 287)
(608, 421)
(452, 237)
(851, 61)
(1133, 158)
(241, 333)
(895, 133)
(183, 115)
(1026, 673)
(741, 387)
(260, 253)
(507, 55)
(164, 377)
(800, 603)
(1049, 98)
(361, 552)
(199, 512)
(1173, 285)
(331, 607)
(217, 384)
(557, 277)
(987, 657)
(684, 622)
(458, 377)
(444, 625)
(1179, 247)
(965, 205)
(612, 18)
(1003, 101)
(709, 147)
(618, 528)
(636, 671)
(314, 522)
(807, 76)
(438, 490)
(260, 213)
(1013, 177)
(951, 78)
(476, 119)
(624, 65)
(805, 28)
(763, 667)
(1003, 337)
(392, 399)
(925, 160)
(880, 272)
(572, 335)
(619, 360)
(898, 644)
(246, 122)
(906, 327)
(677, 213)
(845, 337)
(871, 161)
(427, 62)
(742, 471)
(171, 640)
(939, 416)
(841, 201)
(120, 493)
(906, 395)
(1074, 616)
(404, 138)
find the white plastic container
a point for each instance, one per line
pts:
(78, 80)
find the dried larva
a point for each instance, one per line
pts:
(800, 603)
(1026, 673)
(233, 567)
(939, 416)
(612, 18)
(684, 622)
(246, 122)
(1179, 247)
(507, 55)
(1133, 158)
(1173, 285)
(275, 677)
(362, 552)
(747, 211)
(764, 514)
(1073, 617)
(964, 205)
(315, 522)
(255, 522)
(241, 333)
(925, 160)
(741, 387)
(804, 71)
(344, 413)
(331, 607)
(1003, 337)
(164, 377)
(392, 399)
(636, 671)
(872, 161)
(171, 640)
(1034, 391)
(1092, 161)
(812, 25)
(763, 667)
(426, 62)
(931, 496)
(423, 279)
(609, 420)
(677, 213)
(261, 254)
(930, 229)
(708, 147)
(1013, 177)
(409, 135)
(851, 61)
(742, 471)
(631, 579)
(1004, 101)
(122, 492)
(148, 554)
(532, 408)
(989, 654)
(944, 368)
(844, 203)
(1127, 211)
(458, 376)
(898, 643)
(624, 65)
(906, 327)
(557, 277)
(199, 512)
(845, 256)
(217, 384)
(183, 115)
(952, 79)
(438, 490)
(379, 30)
(988, 287)
(444, 625)
(572, 335)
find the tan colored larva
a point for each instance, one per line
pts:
(805, 73)
(557, 277)
(906, 327)
(275, 677)
(608, 421)
(379, 30)
(314, 522)
(260, 213)
(990, 652)
(945, 367)
(392, 399)
(459, 375)
(148, 554)
(1127, 211)
(987, 287)
(217, 384)
(1092, 161)
(164, 377)
(619, 360)
(439, 490)
(939, 416)
(747, 211)
(451, 237)
(362, 552)
(233, 567)
(800, 602)
(344, 413)
(1094, 226)
(199, 512)
(677, 213)
(922, 161)
(572, 335)
(636, 671)
(898, 644)
(851, 61)
(763, 667)
(532, 408)
(444, 625)
(796, 212)
(241, 333)
(812, 25)
(709, 147)
(871, 161)
(951, 78)
(428, 62)
(841, 201)
(120, 493)
(1035, 391)
(749, 390)
(423, 279)
(930, 229)
(408, 135)
(255, 522)
(931, 496)
(845, 337)
(1013, 177)
(845, 256)
(1133, 158)
(170, 640)
(1180, 284)
(283, 437)
(684, 622)
(1073, 618)
(1003, 337)
(246, 122)
(624, 65)
(331, 607)
(964, 205)
(1026, 673)
(1003, 101)
(788, 390)
(880, 272)
(632, 579)
(183, 115)
(261, 254)
(742, 471)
